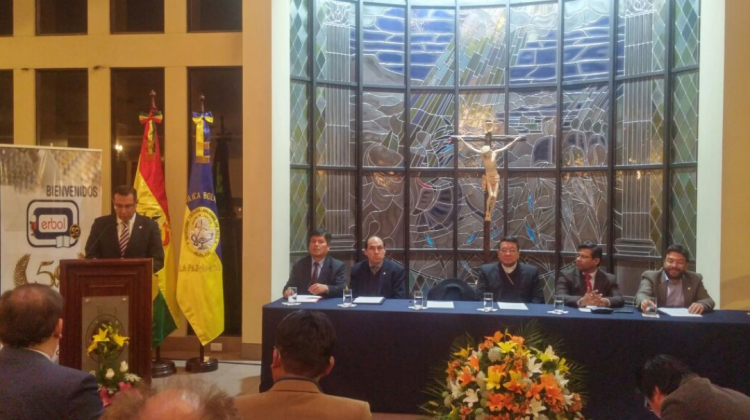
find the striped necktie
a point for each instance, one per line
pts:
(124, 238)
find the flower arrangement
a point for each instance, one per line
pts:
(504, 379)
(106, 346)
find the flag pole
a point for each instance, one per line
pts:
(202, 364)
(160, 368)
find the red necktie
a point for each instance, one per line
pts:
(587, 277)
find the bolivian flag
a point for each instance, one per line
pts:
(200, 291)
(152, 202)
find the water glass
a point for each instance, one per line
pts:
(348, 300)
(559, 304)
(292, 298)
(418, 300)
(651, 310)
(487, 302)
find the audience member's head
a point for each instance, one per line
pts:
(304, 345)
(30, 315)
(660, 377)
(180, 398)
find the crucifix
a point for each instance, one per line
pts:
(491, 177)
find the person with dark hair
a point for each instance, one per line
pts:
(377, 276)
(32, 386)
(673, 392)
(184, 398)
(125, 234)
(673, 286)
(318, 273)
(510, 280)
(587, 285)
(302, 354)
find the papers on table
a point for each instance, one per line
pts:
(513, 306)
(308, 298)
(439, 304)
(371, 300)
(678, 312)
(585, 310)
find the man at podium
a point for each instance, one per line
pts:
(125, 234)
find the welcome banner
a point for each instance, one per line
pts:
(49, 197)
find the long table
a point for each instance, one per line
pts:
(386, 353)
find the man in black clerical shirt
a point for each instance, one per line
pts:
(510, 280)
(377, 276)
(318, 273)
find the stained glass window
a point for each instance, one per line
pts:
(604, 93)
(383, 56)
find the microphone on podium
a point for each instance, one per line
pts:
(92, 246)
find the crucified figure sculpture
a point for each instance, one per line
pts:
(491, 178)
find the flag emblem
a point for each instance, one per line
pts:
(203, 235)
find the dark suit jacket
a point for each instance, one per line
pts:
(698, 399)
(145, 240)
(530, 288)
(572, 287)
(294, 399)
(653, 285)
(390, 280)
(332, 274)
(32, 387)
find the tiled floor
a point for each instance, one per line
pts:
(243, 377)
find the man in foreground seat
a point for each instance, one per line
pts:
(673, 392)
(302, 355)
(32, 386)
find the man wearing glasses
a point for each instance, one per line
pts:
(125, 234)
(586, 284)
(510, 280)
(674, 286)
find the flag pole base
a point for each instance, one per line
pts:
(201, 365)
(162, 368)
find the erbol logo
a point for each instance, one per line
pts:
(52, 223)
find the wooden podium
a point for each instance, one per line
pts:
(117, 289)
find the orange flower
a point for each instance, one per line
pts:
(534, 391)
(496, 402)
(466, 377)
(474, 363)
(516, 338)
(515, 384)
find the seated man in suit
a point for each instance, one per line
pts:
(586, 284)
(318, 273)
(301, 356)
(510, 280)
(673, 392)
(125, 234)
(32, 386)
(377, 276)
(673, 286)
